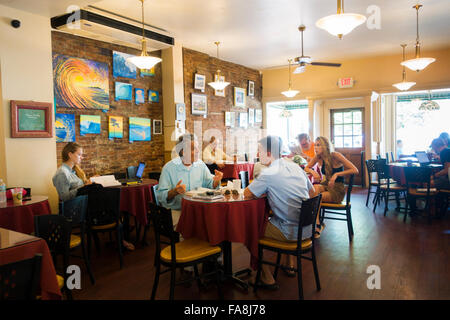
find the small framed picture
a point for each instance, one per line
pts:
(199, 104)
(181, 111)
(31, 119)
(139, 95)
(251, 116)
(219, 93)
(243, 119)
(251, 88)
(239, 97)
(199, 82)
(157, 126)
(258, 115)
(229, 119)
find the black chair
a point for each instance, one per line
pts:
(308, 214)
(335, 208)
(75, 211)
(154, 175)
(104, 216)
(392, 157)
(363, 179)
(155, 201)
(56, 230)
(189, 252)
(243, 175)
(387, 187)
(246, 157)
(20, 280)
(131, 172)
(120, 175)
(419, 177)
(371, 166)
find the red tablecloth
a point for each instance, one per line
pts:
(134, 199)
(21, 218)
(234, 221)
(231, 170)
(49, 284)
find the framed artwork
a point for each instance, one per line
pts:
(180, 128)
(199, 82)
(124, 91)
(243, 119)
(80, 83)
(153, 96)
(239, 97)
(147, 72)
(220, 93)
(65, 127)
(139, 95)
(251, 116)
(251, 88)
(199, 104)
(181, 111)
(139, 129)
(157, 126)
(115, 127)
(89, 124)
(31, 119)
(258, 116)
(229, 119)
(123, 68)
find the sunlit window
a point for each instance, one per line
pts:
(347, 128)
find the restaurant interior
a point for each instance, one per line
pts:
(127, 80)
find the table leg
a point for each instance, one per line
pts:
(228, 266)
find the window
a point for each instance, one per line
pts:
(347, 128)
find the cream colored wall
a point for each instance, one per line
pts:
(26, 74)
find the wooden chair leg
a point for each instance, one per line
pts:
(386, 200)
(120, 243)
(199, 283)
(349, 228)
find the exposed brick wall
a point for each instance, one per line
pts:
(238, 76)
(101, 154)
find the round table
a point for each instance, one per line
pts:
(20, 218)
(231, 170)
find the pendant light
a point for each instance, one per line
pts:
(417, 63)
(144, 61)
(218, 84)
(290, 93)
(429, 105)
(404, 85)
(341, 23)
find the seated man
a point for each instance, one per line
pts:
(214, 156)
(305, 148)
(285, 185)
(441, 179)
(182, 174)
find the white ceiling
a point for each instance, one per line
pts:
(263, 33)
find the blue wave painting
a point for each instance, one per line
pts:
(65, 127)
(124, 91)
(89, 124)
(153, 96)
(122, 68)
(139, 129)
(139, 95)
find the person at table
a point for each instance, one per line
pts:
(441, 178)
(285, 185)
(305, 147)
(334, 166)
(184, 173)
(213, 156)
(399, 148)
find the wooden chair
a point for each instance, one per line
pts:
(243, 175)
(388, 187)
(307, 217)
(20, 280)
(189, 252)
(75, 211)
(336, 208)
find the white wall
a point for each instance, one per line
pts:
(26, 74)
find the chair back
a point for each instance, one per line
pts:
(349, 189)
(418, 175)
(120, 175)
(371, 165)
(103, 207)
(55, 230)
(131, 172)
(153, 192)
(308, 215)
(154, 175)
(20, 280)
(243, 175)
(392, 157)
(246, 157)
(75, 210)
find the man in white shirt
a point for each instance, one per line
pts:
(214, 156)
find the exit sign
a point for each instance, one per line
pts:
(345, 82)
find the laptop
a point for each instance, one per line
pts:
(422, 157)
(138, 178)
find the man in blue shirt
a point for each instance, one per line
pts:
(285, 185)
(182, 174)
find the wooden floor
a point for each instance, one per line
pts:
(414, 259)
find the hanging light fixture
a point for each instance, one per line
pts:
(290, 93)
(404, 85)
(285, 113)
(219, 83)
(144, 61)
(429, 105)
(417, 63)
(341, 23)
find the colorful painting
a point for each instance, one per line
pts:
(80, 83)
(147, 72)
(89, 124)
(139, 96)
(115, 127)
(124, 91)
(139, 129)
(199, 104)
(65, 127)
(121, 67)
(153, 96)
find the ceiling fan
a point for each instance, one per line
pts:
(303, 60)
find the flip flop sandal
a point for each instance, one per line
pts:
(289, 273)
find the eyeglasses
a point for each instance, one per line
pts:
(234, 192)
